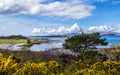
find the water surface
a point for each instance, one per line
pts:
(41, 47)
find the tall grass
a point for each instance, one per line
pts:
(116, 47)
(12, 40)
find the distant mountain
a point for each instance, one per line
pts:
(76, 33)
(110, 33)
(56, 35)
(67, 34)
(62, 35)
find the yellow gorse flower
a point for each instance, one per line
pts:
(8, 66)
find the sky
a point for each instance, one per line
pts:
(45, 17)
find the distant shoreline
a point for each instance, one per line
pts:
(68, 36)
(47, 36)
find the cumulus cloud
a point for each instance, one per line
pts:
(75, 28)
(75, 9)
(61, 30)
(102, 28)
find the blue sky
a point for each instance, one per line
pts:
(43, 17)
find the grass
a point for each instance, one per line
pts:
(113, 52)
(32, 41)
(28, 45)
(12, 40)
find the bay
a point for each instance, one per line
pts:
(45, 46)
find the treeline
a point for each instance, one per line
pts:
(13, 37)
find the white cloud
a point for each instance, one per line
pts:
(75, 9)
(102, 28)
(76, 29)
(2, 20)
(16, 6)
(116, 2)
(5, 27)
(102, 0)
(60, 30)
(116, 28)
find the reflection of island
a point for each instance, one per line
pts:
(110, 33)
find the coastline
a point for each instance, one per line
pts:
(6, 45)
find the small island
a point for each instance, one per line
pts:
(9, 41)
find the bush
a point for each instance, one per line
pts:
(43, 68)
(105, 68)
(91, 57)
(28, 45)
(7, 65)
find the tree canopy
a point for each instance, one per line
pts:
(83, 41)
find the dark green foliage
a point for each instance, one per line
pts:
(83, 41)
(65, 59)
(91, 57)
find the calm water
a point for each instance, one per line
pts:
(46, 46)
(110, 39)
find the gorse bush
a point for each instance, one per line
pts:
(105, 68)
(43, 68)
(9, 66)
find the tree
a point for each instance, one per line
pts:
(83, 41)
(28, 41)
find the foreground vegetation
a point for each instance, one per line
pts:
(60, 65)
(84, 60)
(48, 63)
